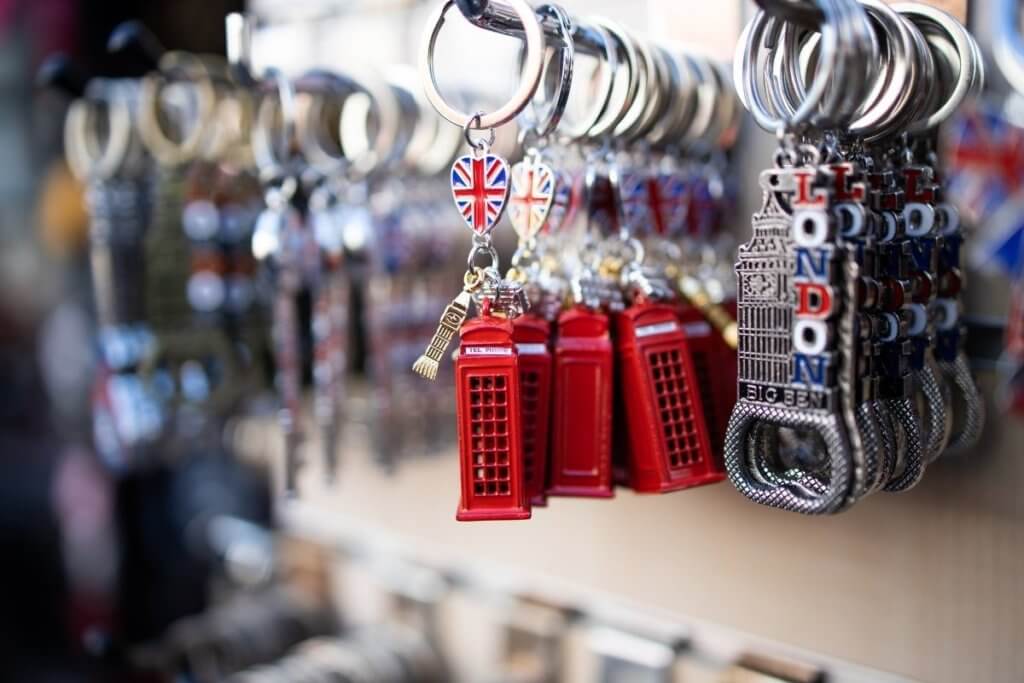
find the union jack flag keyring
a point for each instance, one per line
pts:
(480, 184)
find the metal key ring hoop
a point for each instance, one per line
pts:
(662, 92)
(151, 131)
(970, 74)
(544, 119)
(480, 146)
(608, 63)
(370, 150)
(705, 95)
(606, 124)
(89, 158)
(529, 79)
(323, 153)
(270, 153)
(856, 70)
(630, 126)
(747, 63)
(885, 105)
(683, 106)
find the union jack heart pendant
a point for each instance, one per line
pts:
(480, 189)
(533, 190)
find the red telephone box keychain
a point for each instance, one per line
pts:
(584, 367)
(711, 331)
(669, 433)
(487, 375)
(534, 187)
(490, 430)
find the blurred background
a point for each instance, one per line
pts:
(157, 545)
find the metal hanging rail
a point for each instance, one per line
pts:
(500, 18)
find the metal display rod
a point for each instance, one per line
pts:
(500, 18)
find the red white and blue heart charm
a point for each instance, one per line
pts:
(533, 191)
(480, 188)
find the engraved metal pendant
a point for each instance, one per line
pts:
(788, 356)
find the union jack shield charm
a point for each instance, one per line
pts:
(634, 200)
(480, 188)
(533, 191)
(668, 194)
(563, 204)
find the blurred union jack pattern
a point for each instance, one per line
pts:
(533, 189)
(667, 193)
(984, 162)
(634, 199)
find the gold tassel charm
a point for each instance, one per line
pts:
(451, 320)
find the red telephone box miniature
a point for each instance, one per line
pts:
(531, 334)
(620, 437)
(489, 418)
(581, 427)
(670, 446)
(714, 363)
(726, 376)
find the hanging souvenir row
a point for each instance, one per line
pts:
(852, 376)
(128, 414)
(590, 363)
(347, 166)
(200, 286)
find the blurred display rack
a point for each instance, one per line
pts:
(616, 629)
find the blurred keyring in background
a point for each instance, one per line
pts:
(88, 158)
(151, 131)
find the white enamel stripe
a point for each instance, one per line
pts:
(656, 328)
(531, 349)
(486, 351)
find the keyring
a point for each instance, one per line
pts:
(971, 71)
(432, 145)
(728, 114)
(270, 153)
(705, 96)
(479, 146)
(529, 80)
(629, 127)
(88, 158)
(419, 127)
(683, 102)
(607, 66)
(544, 120)
(747, 69)
(857, 69)
(375, 107)
(885, 105)
(325, 95)
(661, 87)
(151, 130)
(610, 119)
